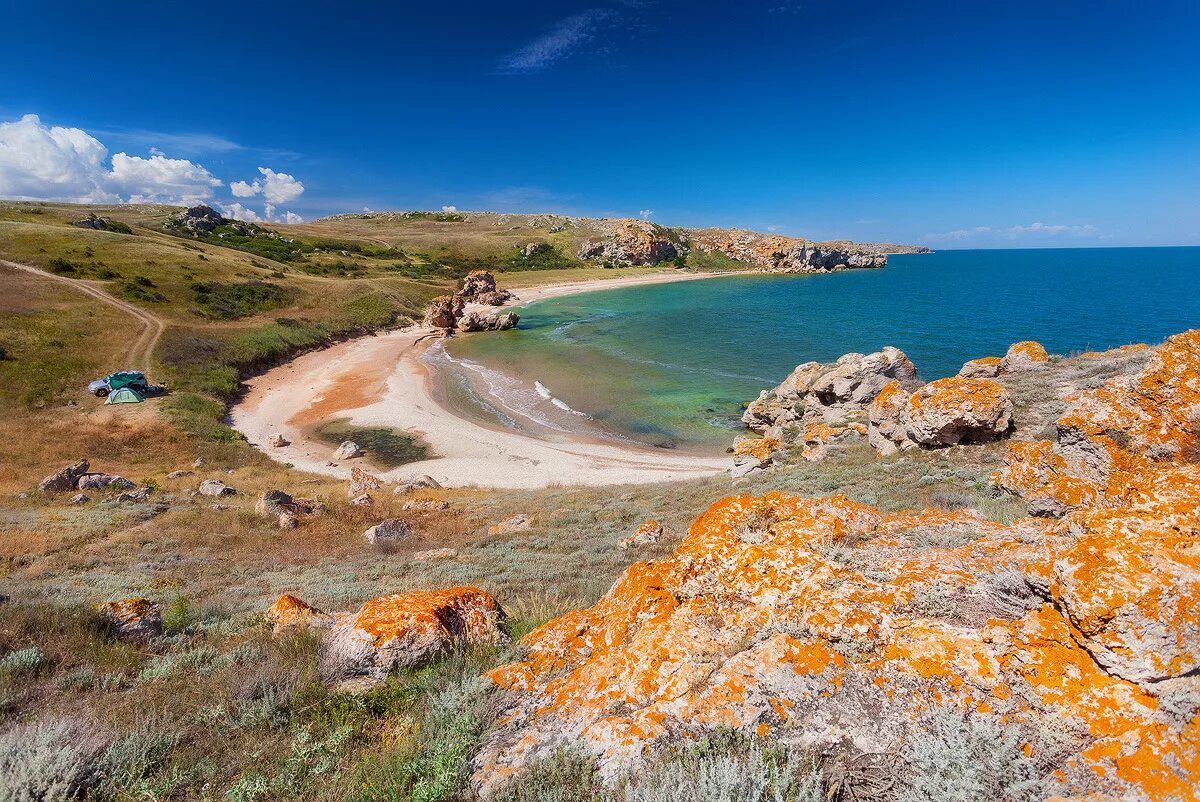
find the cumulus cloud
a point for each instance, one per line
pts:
(561, 40)
(41, 162)
(646, 214)
(292, 218)
(161, 180)
(236, 211)
(449, 209)
(279, 187)
(241, 189)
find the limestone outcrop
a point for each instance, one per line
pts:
(779, 254)
(1021, 357)
(443, 312)
(407, 630)
(478, 320)
(633, 242)
(64, 478)
(819, 404)
(838, 627)
(289, 614)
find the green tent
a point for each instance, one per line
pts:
(124, 395)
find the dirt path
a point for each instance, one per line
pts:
(139, 352)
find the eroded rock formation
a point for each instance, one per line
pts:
(838, 627)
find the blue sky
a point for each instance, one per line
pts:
(955, 124)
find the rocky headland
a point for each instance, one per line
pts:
(1065, 643)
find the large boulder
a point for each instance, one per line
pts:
(753, 455)
(1026, 355)
(64, 479)
(945, 412)
(135, 618)
(407, 630)
(443, 312)
(986, 367)
(347, 450)
(286, 510)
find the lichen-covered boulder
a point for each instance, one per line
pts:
(951, 411)
(135, 618)
(986, 367)
(1024, 355)
(754, 454)
(407, 630)
(64, 479)
(514, 523)
(289, 614)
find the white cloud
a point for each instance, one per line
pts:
(565, 36)
(449, 209)
(646, 214)
(40, 162)
(236, 211)
(960, 234)
(161, 180)
(292, 218)
(1041, 228)
(241, 189)
(279, 187)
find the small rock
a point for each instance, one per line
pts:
(515, 523)
(347, 450)
(199, 462)
(219, 507)
(647, 534)
(215, 487)
(362, 482)
(435, 554)
(390, 530)
(80, 499)
(178, 474)
(422, 483)
(141, 494)
(363, 500)
(289, 613)
(64, 479)
(426, 504)
(278, 441)
(134, 618)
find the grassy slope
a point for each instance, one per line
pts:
(241, 713)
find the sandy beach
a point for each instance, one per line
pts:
(383, 381)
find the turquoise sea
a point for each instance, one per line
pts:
(672, 364)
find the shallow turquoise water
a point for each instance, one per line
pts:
(671, 364)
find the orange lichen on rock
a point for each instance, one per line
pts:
(407, 630)
(759, 447)
(1024, 355)
(134, 618)
(838, 625)
(289, 612)
(942, 413)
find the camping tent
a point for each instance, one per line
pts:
(124, 395)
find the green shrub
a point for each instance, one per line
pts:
(178, 615)
(22, 661)
(952, 757)
(63, 267)
(219, 301)
(48, 762)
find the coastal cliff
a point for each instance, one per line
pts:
(640, 242)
